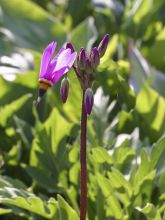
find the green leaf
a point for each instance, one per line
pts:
(141, 72)
(158, 47)
(88, 37)
(23, 199)
(157, 154)
(49, 155)
(118, 181)
(5, 211)
(151, 108)
(123, 154)
(83, 10)
(29, 23)
(123, 188)
(112, 202)
(44, 179)
(74, 173)
(66, 212)
(144, 174)
(28, 201)
(150, 212)
(7, 111)
(100, 155)
(14, 155)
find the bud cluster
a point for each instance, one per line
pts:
(88, 63)
(86, 66)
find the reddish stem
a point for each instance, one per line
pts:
(83, 172)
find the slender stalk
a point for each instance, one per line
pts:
(83, 171)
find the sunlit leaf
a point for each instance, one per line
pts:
(8, 110)
(150, 212)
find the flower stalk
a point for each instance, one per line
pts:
(83, 171)
(85, 72)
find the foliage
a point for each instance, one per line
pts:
(39, 148)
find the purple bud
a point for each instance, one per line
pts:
(70, 46)
(103, 45)
(88, 100)
(64, 89)
(88, 68)
(94, 57)
(82, 59)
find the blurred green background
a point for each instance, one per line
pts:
(39, 149)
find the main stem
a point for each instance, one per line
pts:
(83, 171)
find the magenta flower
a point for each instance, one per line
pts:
(52, 70)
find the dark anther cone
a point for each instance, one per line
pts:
(42, 90)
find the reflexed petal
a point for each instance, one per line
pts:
(54, 61)
(63, 59)
(72, 59)
(59, 52)
(46, 57)
(58, 74)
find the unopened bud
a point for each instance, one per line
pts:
(64, 89)
(94, 57)
(103, 45)
(70, 46)
(88, 68)
(88, 100)
(82, 59)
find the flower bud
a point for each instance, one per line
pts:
(103, 45)
(70, 46)
(88, 100)
(94, 57)
(64, 89)
(82, 59)
(88, 68)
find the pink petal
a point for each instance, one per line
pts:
(72, 59)
(46, 57)
(54, 61)
(63, 59)
(59, 52)
(58, 74)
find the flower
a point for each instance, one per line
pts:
(52, 70)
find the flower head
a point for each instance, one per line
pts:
(53, 69)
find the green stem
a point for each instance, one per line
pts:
(83, 171)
